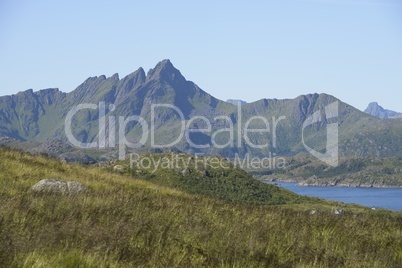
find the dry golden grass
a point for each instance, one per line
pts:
(126, 222)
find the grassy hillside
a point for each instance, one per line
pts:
(209, 176)
(123, 221)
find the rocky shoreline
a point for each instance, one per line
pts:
(305, 183)
(354, 185)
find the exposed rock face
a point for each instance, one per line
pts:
(39, 117)
(57, 186)
(76, 157)
(53, 147)
(378, 111)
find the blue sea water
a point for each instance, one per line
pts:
(388, 198)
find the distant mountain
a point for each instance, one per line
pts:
(376, 110)
(236, 102)
(40, 117)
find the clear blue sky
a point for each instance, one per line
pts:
(232, 49)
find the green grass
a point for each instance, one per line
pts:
(123, 221)
(205, 176)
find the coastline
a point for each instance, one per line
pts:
(303, 183)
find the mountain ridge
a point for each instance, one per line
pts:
(378, 111)
(39, 116)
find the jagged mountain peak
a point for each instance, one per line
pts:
(130, 82)
(24, 92)
(115, 77)
(163, 64)
(139, 73)
(46, 90)
(165, 71)
(378, 111)
(38, 116)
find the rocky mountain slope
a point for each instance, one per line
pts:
(376, 110)
(41, 116)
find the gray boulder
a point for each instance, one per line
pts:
(118, 169)
(58, 186)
